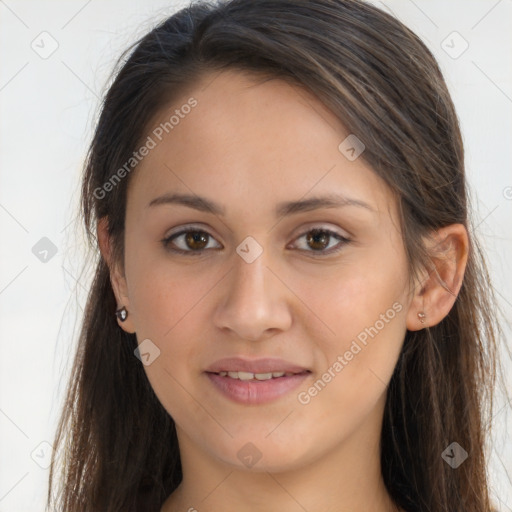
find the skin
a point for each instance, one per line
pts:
(248, 145)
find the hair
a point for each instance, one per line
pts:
(120, 445)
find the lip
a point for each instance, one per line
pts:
(266, 365)
(253, 392)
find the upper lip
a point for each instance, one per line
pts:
(266, 365)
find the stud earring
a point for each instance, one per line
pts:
(422, 316)
(122, 314)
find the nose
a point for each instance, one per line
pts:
(254, 303)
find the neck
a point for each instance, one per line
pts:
(347, 478)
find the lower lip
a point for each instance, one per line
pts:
(256, 391)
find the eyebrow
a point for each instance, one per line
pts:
(282, 209)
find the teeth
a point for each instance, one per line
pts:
(241, 375)
(262, 376)
(254, 376)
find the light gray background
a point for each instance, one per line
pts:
(47, 111)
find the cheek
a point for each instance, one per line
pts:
(353, 296)
(163, 294)
(171, 304)
(357, 362)
(362, 310)
(168, 303)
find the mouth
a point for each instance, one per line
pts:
(255, 382)
(249, 376)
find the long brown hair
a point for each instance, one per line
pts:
(119, 445)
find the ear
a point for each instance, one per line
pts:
(435, 295)
(117, 278)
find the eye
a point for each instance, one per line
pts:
(194, 241)
(322, 241)
(189, 241)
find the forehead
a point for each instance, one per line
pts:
(254, 141)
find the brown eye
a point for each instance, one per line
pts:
(321, 241)
(196, 240)
(189, 241)
(318, 239)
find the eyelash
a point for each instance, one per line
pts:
(332, 234)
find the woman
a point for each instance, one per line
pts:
(290, 311)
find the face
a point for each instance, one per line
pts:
(263, 268)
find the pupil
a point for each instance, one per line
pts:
(196, 237)
(320, 237)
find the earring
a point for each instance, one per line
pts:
(122, 314)
(421, 316)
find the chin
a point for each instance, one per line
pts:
(263, 455)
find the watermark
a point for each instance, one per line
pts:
(44, 250)
(351, 148)
(151, 142)
(249, 455)
(146, 352)
(45, 45)
(249, 249)
(304, 397)
(454, 455)
(507, 193)
(42, 454)
(454, 45)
